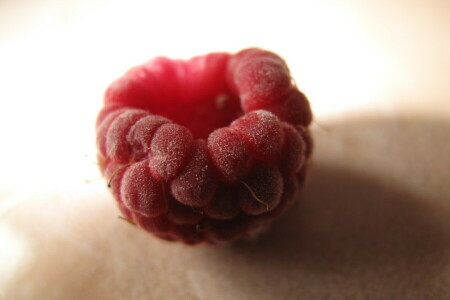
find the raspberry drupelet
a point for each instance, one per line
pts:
(206, 150)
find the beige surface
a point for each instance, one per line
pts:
(373, 221)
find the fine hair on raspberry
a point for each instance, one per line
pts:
(207, 150)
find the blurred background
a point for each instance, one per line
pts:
(364, 60)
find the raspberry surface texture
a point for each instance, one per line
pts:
(206, 150)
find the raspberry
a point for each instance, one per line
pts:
(206, 150)
(262, 131)
(141, 191)
(225, 205)
(170, 148)
(195, 185)
(230, 154)
(264, 187)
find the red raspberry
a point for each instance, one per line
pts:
(205, 150)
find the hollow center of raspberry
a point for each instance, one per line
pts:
(191, 93)
(203, 116)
